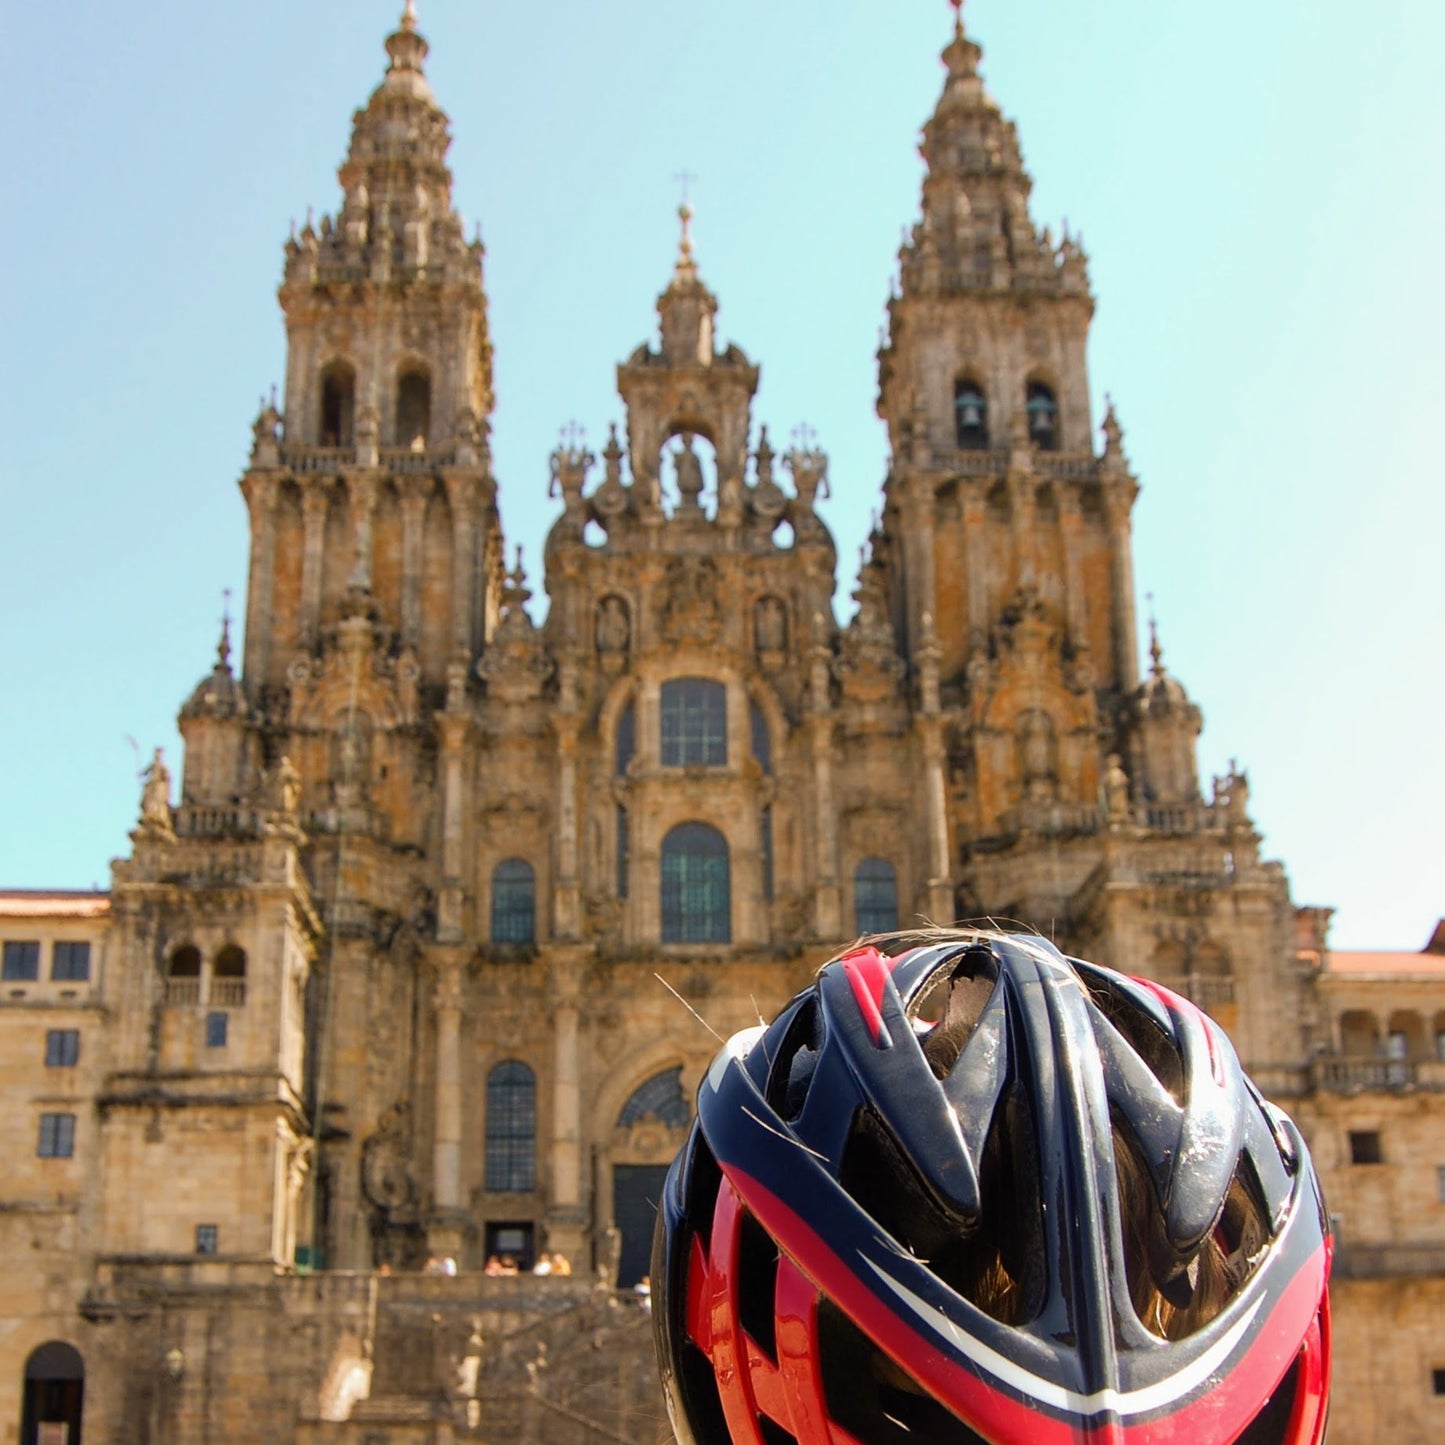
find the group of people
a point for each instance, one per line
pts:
(506, 1264)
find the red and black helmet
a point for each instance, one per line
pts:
(969, 1190)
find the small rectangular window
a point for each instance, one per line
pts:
(767, 840)
(62, 1048)
(1440, 1182)
(1438, 1378)
(216, 1029)
(70, 962)
(57, 1136)
(208, 1238)
(20, 961)
(1365, 1147)
(623, 851)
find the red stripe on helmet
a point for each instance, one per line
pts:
(868, 972)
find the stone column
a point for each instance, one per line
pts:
(938, 902)
(362, 490)
(315, 502)
(415, 493)
(566, 1221)
(566, 912)
(827, 897)
(1076, 602)
(454, 731)
(261, 493)
(918, 544)
(975, 511)
(1119, 501)
(1021, 501)
(446, 1230)
(462, 494)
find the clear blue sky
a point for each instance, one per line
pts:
(1258, 185)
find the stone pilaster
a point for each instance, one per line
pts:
(315, 502)
(415, 494)
(261, 493)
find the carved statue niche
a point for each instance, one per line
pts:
(1038, 756)
(351, 759)
(689, 605)
(770, 630)
(688, 475)
(613, 632)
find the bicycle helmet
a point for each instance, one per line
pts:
(970, 1190)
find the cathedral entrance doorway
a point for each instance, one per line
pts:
(636, 1198)
(54, 1394)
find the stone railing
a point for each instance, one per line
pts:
(1051, 820)
(1381, 1261)
(1345, 1075)
(193, 821)
(325, 460)
(402, 460)
(228, 993)
(183, 992)
(1176, 817)
(1211, 993)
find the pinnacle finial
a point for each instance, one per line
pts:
(223, 648)
(684, 214)
(1155, 650)
(957, 18)
(408, 16)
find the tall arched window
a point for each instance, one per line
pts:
(1043, 410)
(875, 896)
(970, 415)
(183, 975)
(511, 1129)
(338, 405)
(694, 723)
(696, 888)
(228, 978)
(514, 902)
(413, 409)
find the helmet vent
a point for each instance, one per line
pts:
(773, 1433)
(872, 1398)
(1153, 1045)
(1271, 1425)
(704, 1179)
(956, 1000)
(757, 1285)
(791, 1070)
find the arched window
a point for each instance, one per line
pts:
(875, 897)
(694, 723)
(228, 978)
(514, 902)
(625, 741)
(660, 1098)
(762, 742)
(696, 890)
(183, 975)
(970, 416)
(766, 827)
(413, 409)
(511, 1129)
(338, 405)
(54, 1394)
(1043, 410)
(624, 852)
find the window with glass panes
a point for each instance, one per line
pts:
(70, 962)
(20, 960)
(62, 1048)
(511, 1155)
(694, 723)
(696, 889)
(875, 897)
(514, 902)
(57, 1136)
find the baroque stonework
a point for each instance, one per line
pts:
(404, 971)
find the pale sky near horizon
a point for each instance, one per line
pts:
(1258, 186)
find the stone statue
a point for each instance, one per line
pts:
(770, 625)
(1116, 790)
(1036, 755)
(689, 473)
(288, 788)
(614, 629)
(155, 798)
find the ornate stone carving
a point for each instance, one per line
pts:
(516, 666)
(613, 630)
(385, 1160)
(688, 601)
(155, 799)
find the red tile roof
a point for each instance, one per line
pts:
(1385, 965)
(53, 903)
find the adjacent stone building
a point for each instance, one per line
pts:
(410, 969)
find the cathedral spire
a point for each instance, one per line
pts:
(687, 308)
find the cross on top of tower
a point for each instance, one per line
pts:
(957, 17)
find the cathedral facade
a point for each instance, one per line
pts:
(417, 964)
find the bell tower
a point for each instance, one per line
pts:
(370, 492)
(1003, 524)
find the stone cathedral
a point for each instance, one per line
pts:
(396, 985)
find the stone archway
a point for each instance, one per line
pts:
(54, 1395)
